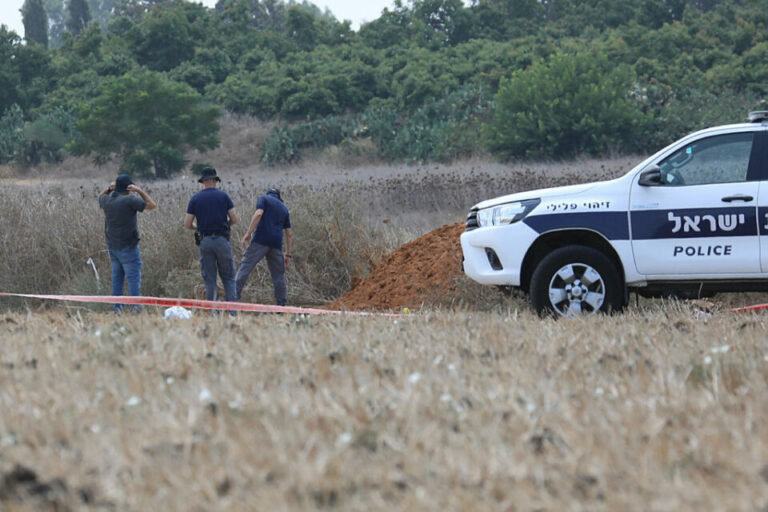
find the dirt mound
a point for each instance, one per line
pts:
(420, 272)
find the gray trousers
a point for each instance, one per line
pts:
(216, 255)
(276, 264)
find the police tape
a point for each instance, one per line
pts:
(195, 303)
(756, 307)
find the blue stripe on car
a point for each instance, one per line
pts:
(693, 223)
(762, 219)
(659, 224)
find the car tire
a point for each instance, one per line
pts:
(576, 280)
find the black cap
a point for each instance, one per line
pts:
(208, 173)
(274, 192)
(122, 182)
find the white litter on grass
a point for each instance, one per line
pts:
(345, 438)
(178, 312)
(414, 378)
(134, 400)
(95, 272)
(720, 350)
(707, 360)
(204, 395)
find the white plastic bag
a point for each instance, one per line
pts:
(178, 312)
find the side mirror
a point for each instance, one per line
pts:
(650, 177)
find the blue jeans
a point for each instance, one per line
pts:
(216, 255)
(126, 263)
(276, 264)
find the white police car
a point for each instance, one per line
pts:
(691, 220)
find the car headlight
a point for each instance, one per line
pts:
(506, 213)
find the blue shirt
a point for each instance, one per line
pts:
(120, 225)
(273, 221)
(210, 207)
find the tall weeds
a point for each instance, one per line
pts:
(342, 227)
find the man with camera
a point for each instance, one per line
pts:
(213, 212)
(122, 232)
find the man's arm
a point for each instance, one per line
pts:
(252, 227)
(109, 189)
(150, 203)
(188, 222)
(232, 217)
(288, 246)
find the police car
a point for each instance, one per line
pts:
(691, 220)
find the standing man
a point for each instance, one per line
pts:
(267, 225)
(214, 212)
(122, 232)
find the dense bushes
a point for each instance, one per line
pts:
(564, 106)
(31, 143)
(401, 82)
(440, 130)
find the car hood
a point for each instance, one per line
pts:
(543, 193)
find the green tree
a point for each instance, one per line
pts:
(9, 74)
(164, 40)
(56, 12)
(300, 25)
(35, 22)
(443, 21)
(563, 107)
(79, 16)
(148, 120)
(25, 74)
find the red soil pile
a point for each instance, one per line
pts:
(420, 272)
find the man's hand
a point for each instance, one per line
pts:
(246, 239)
(287, 259)
(151, 205)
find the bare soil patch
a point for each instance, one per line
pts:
(416, 274)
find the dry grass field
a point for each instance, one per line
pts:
(482, 406)
(660, 409)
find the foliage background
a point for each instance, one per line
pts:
(429, 80)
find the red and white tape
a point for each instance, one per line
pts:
(756, 307)
(194, 303)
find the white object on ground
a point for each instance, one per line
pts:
(178, 312)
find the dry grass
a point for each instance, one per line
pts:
(659, 409)
(345, 221)
(487, 407)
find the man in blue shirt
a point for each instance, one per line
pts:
(214, 213)
(267, 225)
(122, 232)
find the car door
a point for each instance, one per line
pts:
(700, 217)
(762, 203)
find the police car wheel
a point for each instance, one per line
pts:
(576, 280)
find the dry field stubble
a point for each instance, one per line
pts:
(659, 409)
